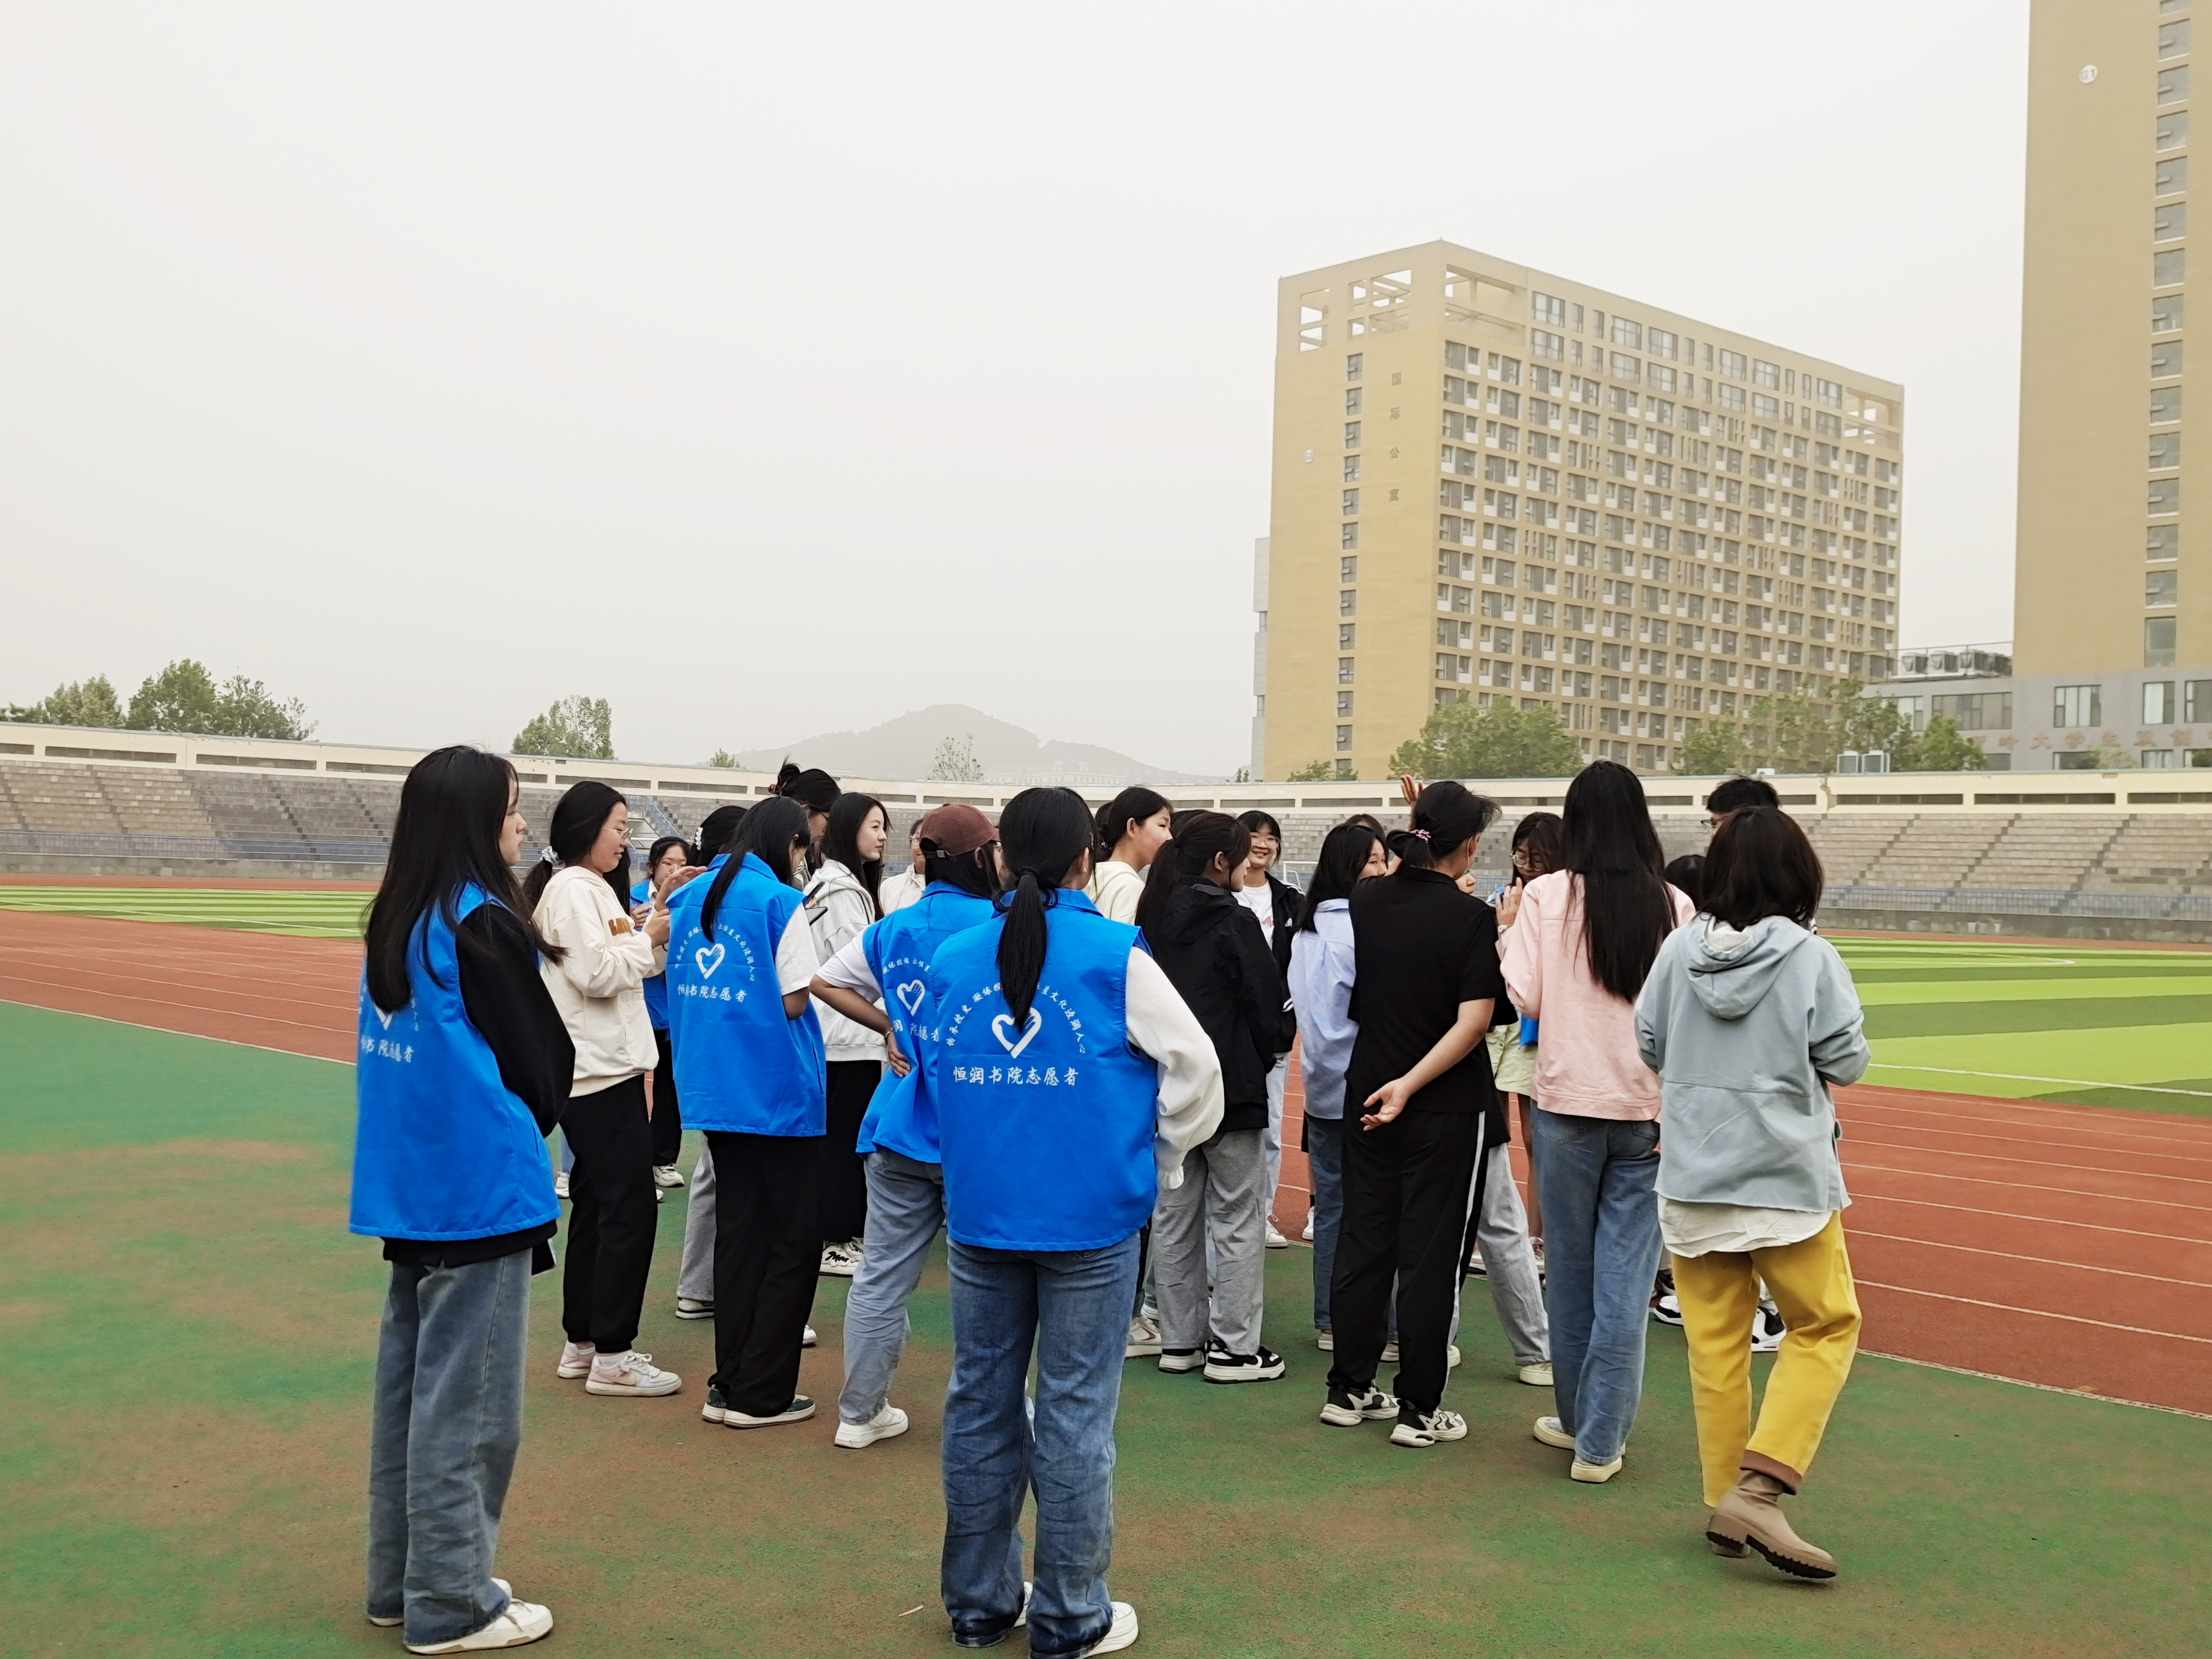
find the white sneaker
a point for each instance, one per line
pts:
(687, 1308)
(631, 1373)
(882, 1426)
(810, 1340)
(1264, 1366)
(1537, 1376)
(1144, 1340)
(560, 1190)
(1121, 1633)
(1427, 1430)
(842, 1260)
(1390, 1352)
(522, 1622)
(1308, 1234)
(505, 1589)
(1325, 1340)
(1548, 1430)
(1175, 1361)
(667, 1174)
(798, 1411)
(1594, 1475)
(1767, 1329)
(1451, 1357)
(1667, 1310)
(576, 1361)
(1275, 1239)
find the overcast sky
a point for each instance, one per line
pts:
(771, 370)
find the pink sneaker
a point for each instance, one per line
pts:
(576, 1361)
(631, 1373)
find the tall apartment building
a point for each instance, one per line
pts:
(1490, 482)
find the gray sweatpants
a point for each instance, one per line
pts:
(1502, 1230)
(1221, 1202)
(695, 1279)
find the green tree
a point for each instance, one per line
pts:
(955, 760)
(1461, 741)
(1318, 771)
(1793, 733)
(185, 697)
(80, 703)
(1942, 747)
(1871, 725)
(1715, 748)
(583, 727)
(724, 759)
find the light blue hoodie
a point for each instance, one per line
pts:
(1747, 1030)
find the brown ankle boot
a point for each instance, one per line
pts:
(1750, 1515)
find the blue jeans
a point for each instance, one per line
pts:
(1324, 1158)
(1598, 1176)
(1074, 1305)
(446, 1423)
(906, 1206)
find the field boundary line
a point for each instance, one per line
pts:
(2038, 1313)
(2039, 1261)
(199, 1036)
(2039, 1220)
(2023, 1077)
(2045, 1388)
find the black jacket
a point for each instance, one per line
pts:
(1213, 953)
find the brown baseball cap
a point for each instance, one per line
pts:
(957, 830)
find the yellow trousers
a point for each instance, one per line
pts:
(1811, 1283)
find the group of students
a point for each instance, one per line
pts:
(1063, 1041)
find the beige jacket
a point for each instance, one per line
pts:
(1115, 887)
(599, 986)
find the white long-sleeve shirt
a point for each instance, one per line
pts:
(598, 985)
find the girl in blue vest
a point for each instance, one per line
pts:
(749, 1063)
(695, 1279)
(880, 980)
(1070, 1080)
(670, 857)
(463, 1066)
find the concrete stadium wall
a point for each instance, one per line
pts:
(259, 870)
(1996, 925)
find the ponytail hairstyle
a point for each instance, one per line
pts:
(1543, 837)
(452, 810)
(971, 872)
(814, 789)
(1043, 833)
(718, 830)
(840, 840)
(1199, 838)
(1612, 847)
(1446, 817)
(1134, 804)
(577, 821)
(773, 831)
(1343, 855)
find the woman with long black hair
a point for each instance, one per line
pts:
(1321, 989)
(580, 891)
(1426, 987)
(1576, 957)
(841, 902)
(462, 1067)
(1213, 953)
(1072, 1080)
(1132, 827)
(749, 1059)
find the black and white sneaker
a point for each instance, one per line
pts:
(1349, 1410)
(1667, 1309)
(1415, 1430)
(1175, 1361)
(1264, 1366)
(1767, 1329)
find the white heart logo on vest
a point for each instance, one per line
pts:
(381, 1015)
(910, 993)
(1005, 1023)
(709, 957)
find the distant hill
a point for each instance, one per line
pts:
(905, 747)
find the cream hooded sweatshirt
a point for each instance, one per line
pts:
(599, 986)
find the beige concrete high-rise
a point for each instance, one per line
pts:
(2110, 578)
(1492, 482)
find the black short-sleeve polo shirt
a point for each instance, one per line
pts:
(1420, 947)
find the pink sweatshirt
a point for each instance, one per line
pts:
(1587, 1065)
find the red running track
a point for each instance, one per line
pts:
(2066, 1246)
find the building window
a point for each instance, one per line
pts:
(2173, 38)
(1352, 503)
(1544, 344)
(2165, 450)
(1347, 570)
(2159, 587)
(1625, 368)
(2196, 701)
(1348, 535)
(1353, 400)
(2166, 359)
(1351, 434)
(2167, 313)
(1355, 365)
(1344, 769)
(2169, 268)
(2173, 130)
(1831, 393)
(1344, 737)
(2158, 641)
(2157, 760)
(2162, 496)
(1735, 365)
(1767, 374)
(2164, 405)
(1731, 396)
(1344, 668)
(1547, 308)
(2158, 703)
(1348, 602)
(2170, 223)
(2173, 85)
(1346, 634)
(2170, 178)
(2077, 705)
(1344, 706)
(1351, 469)
(2163, 541)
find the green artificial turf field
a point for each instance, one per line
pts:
(2072, 1023)
(186, 1335)
(314, 912)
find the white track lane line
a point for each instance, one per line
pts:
(1864, 1197)
(201, 1036)
(2024, 1076)
(162, 1002)
(2031, 1187)
(2197, 1154)
(2037, 1163)
(2038, 1313)
(2055, 1108)
(1856, 1107)
(2039, 1261)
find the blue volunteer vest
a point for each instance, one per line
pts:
(442, 1149)
(656, 984)
(1045, 1129)
(902, 1116)
(741, 1064)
